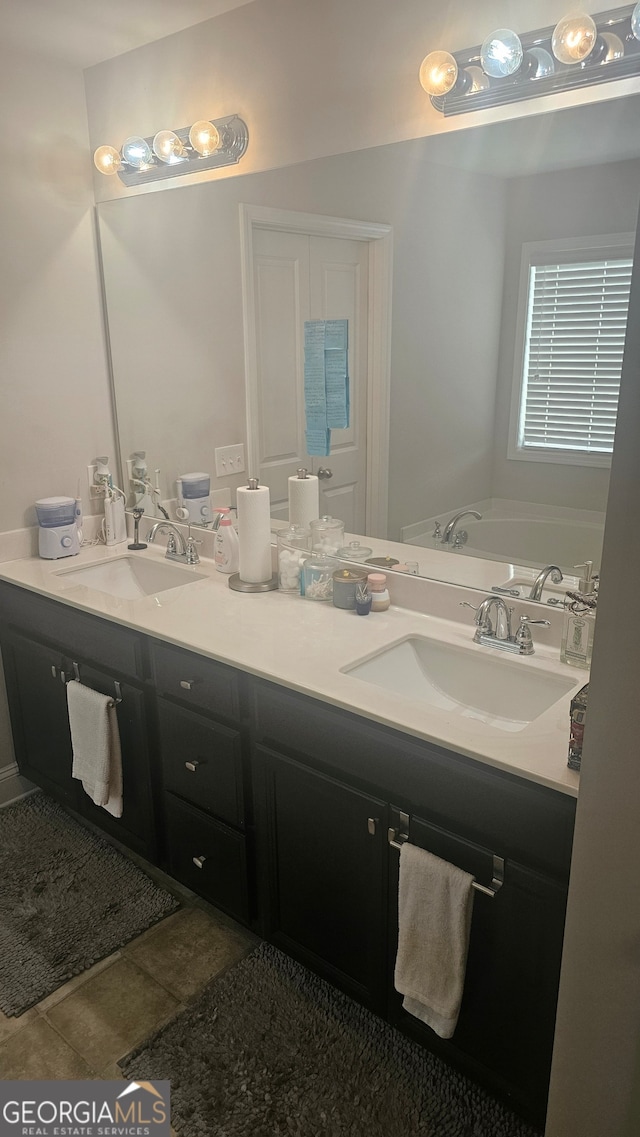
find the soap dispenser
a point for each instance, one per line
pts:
(579, 620)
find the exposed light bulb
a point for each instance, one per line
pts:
(501, 53)
(479, 81)
(615, 46)
(546, 65)
(205, 138)
(438, 73)
(107, 160)
(168, 147)
(574, 38)
(136, 152)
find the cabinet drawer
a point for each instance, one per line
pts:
(77, 634)
(196, 680)
(201, 761)
(208, 857)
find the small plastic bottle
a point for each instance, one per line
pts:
(227, 546)
(380, 599)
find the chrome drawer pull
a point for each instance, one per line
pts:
(187, 683)
(193, 766)
(54, 671)
(199, 862)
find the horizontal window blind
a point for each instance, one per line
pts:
(576, 325)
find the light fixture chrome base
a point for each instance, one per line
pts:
(244, 586)
(234, 138)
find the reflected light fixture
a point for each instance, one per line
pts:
(579, 51)
(206, 145)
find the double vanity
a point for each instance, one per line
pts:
(276, 751)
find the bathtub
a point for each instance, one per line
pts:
(526, 537)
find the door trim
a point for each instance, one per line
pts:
(380, 240)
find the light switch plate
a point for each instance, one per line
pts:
(229, 460)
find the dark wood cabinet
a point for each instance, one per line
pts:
(207, 827)
(136, 827)
(276, 807)
(322, 847)
(506, 1024)
(37, 669)
(207, 856)
(329, 877)
(34, 674)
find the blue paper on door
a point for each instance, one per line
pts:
(326, 382)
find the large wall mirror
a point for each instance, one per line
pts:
(461, 206)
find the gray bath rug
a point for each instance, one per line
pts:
(67, 900)
(270, 1050)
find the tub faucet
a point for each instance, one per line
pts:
(447, 536)
(536, 589)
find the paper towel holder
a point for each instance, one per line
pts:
(239, 585)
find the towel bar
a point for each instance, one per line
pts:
(76, 675)
(396, 841)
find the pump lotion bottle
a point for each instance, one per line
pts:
(579, 621)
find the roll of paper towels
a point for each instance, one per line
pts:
(304, 500)
(254, 533)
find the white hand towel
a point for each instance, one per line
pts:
(435, 903)
(95, 739)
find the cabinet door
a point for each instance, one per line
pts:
(38, 708)
(507, 1015)
(324, 887)
(136, 827)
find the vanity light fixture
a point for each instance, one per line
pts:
(208, 144)
(579, 51)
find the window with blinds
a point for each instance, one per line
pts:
(576, 321)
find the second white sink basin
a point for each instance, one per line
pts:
(129, 578)
(502, 692)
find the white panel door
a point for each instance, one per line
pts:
(298, 278)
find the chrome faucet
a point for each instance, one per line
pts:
(536, 589)
(501, 637)
(446, 538)
(177, 548)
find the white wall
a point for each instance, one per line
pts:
(55, 412)
(309, 78)
(588, 202)
(54, 399)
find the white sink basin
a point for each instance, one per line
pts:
(502, 692)
(131, 577)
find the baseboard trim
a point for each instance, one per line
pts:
(13, 787)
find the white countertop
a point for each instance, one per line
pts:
(303, 645)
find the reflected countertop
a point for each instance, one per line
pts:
(303, 645)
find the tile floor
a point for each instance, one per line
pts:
(83, 1028)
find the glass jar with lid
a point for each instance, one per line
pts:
(327, 535)
(294, 544)
(344, 587)
(317, 577)
(354, 551)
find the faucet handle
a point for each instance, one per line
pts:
(191, 552)
(523, 636)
